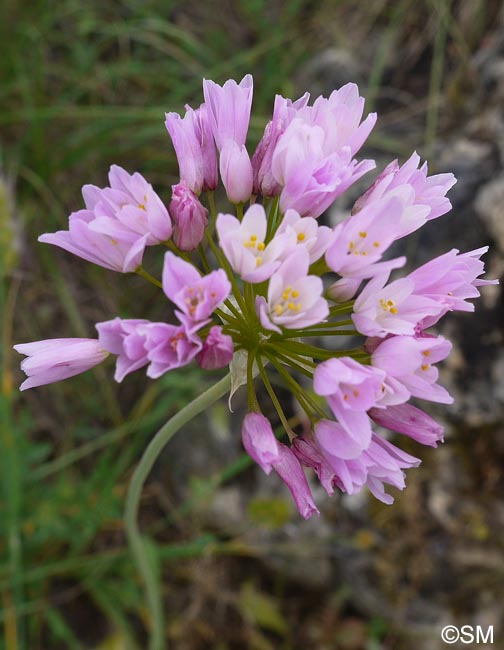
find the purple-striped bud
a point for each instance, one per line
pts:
(189, 216)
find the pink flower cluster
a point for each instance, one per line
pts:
(267, 295)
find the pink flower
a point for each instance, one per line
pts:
(259, 441)
(426, 200)
(123, 255)
(351, 389)
(189, 216)
(290, 471)
(236, 172)
(313, 159)
(169, 347)
(381, 462)
(393, 309)
(294, 297)
(195, 148)
(308, 234)
(309, 454)
(217, 350)
(361, 240)
(197, 297)
(408, 365)
(128, 204)
(262, 446)
(243, 244)
(117, 224)
(126, 339)
(450, 280)
(409, 420)
(53, 360)
(283, 113)
(228, 109)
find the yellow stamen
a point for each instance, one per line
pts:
(253, 237)
(260, 246)
(259, 261)
(301, 236)
(279, 310)
(363, 234)
(393, 310)
(425, 366)
(376, 244)
(294, 294)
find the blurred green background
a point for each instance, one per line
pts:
(84, 85)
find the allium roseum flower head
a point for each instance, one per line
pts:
(261, 285)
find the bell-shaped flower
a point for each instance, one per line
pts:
(130, 204)
(351, 389)
(294, 297)
(244, 244)
(408, 364)
(313, 159)
(450, 279)
(123, 255)
(189, 217)
(53, 360)
(196, 296)
(228, 109)
(195, 148)
(361, 240)
(284, 112)
(409, 420)
(259, 441)
(393, 309)
(308, 234)
(427, 198)
(217, 350)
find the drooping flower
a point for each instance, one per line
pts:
(189, 216)
(290, 471)
(195, 148)
(244, 244)
(259, 441)
(426, 197)
(217, 350)
(409, 420)
(350, 389)
(294, 297)
(53, 360)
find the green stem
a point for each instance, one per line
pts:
(150, 455)
(274, 398)
(144, 274)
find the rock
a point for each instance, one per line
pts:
(489, 205)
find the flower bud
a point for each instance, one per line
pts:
(217, 350)
(189, 216)
(236, 172)
(259, 441)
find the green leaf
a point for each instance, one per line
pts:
(262, 610)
